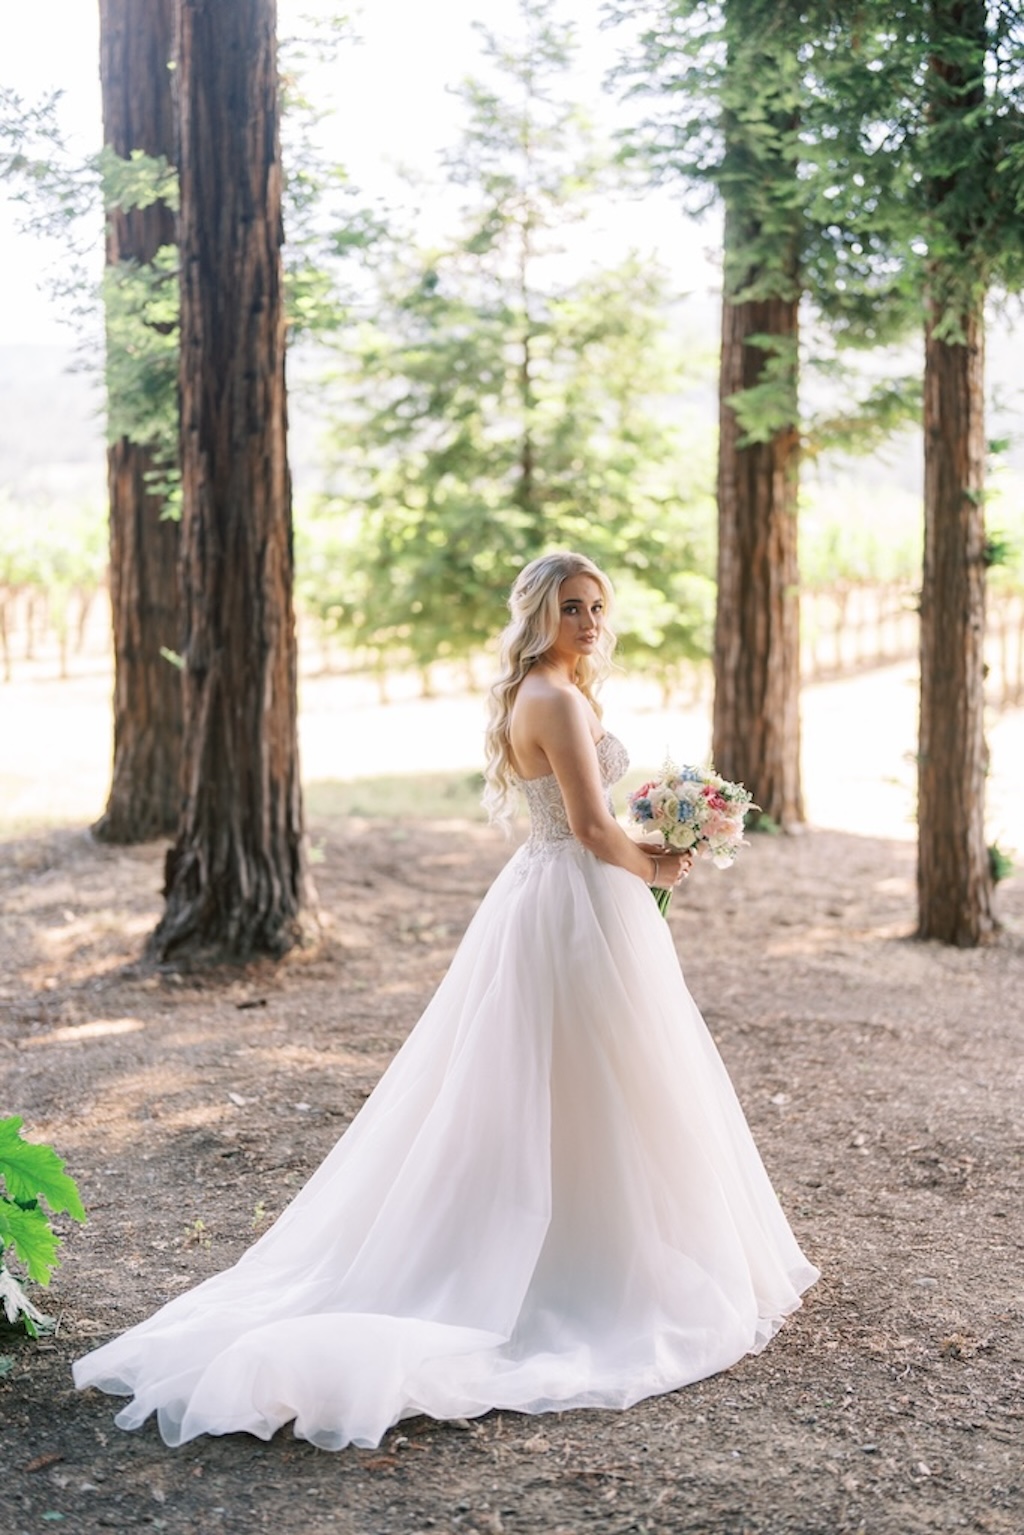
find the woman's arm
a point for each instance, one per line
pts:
(560, 725)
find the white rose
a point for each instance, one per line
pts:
(664, 804)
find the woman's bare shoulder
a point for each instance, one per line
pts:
(540, 698)
(545, 716)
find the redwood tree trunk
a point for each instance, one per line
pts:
(136, 48)
(756, 723)
(954, 885)
(236, 876)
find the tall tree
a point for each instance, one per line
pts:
(495, 408)
(973, 125)
(756, 719)
(942, 188)
(136, 54)
(905, 145)
(725, 80)
(236, 877)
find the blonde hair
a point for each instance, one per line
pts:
(536, 616)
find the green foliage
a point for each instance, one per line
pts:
(141, 315)
(1000, 863)
(56, 191)
(1004, 545)
(30, 1174)
(325, 221)
(492, 410)
(721, 86)
(136, 181)
(51, 549)
(767, 407)
(140, 301)
(932, 97)
(865, 423)
(24, 127)
(779, 112)
(58, 194)
(866, 155)
(65, 197)
(999, 550)
(56, 552)
(968, 140)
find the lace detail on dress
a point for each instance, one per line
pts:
(549, 824)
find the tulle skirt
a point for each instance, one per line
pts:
(551, 1200)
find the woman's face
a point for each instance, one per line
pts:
(581, 608)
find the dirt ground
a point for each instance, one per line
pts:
(882, 1078)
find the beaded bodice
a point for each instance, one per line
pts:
(549, 824)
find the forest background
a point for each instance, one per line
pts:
(511, 319)
(881, 1076)
(388, 114)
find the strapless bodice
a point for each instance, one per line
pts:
(549, 823)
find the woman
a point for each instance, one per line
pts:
(552, 1198)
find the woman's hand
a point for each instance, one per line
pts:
(672, 868)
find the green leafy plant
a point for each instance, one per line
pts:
(29, 1174)
(999, 550)
(196, 1235)
(491, 409)
(1000, 863)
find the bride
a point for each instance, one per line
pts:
(552, 1198)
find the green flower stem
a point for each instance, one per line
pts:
(663, 898)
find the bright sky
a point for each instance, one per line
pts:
(392, 107)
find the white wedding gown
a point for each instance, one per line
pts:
(551, 1200)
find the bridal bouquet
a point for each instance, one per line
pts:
(695, 810)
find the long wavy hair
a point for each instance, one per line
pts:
(536, 616)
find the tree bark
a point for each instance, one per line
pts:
(954, 885)
(756, 720)
(136, 49)
(236, 876)
(954, 882)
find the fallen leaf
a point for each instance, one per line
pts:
(40, 1463)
